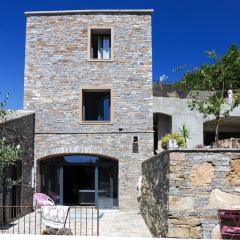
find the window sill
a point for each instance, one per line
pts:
(96, 123)
(100, 60)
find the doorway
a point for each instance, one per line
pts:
(81, 180)
(74, 186)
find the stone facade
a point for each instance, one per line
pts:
(19, 128)
(182, 191)
(58, 66)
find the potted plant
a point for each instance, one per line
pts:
(172, 140)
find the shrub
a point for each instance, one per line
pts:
(179, 138)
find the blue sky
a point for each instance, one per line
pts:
(182, 31)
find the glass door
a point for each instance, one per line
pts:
(51, 182)
(108, 185)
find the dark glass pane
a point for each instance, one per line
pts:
(84, 177)
(96, 106)
(100, 43)
(94, 46)
(80, 159)
(108, 184)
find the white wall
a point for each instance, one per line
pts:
(181, 114)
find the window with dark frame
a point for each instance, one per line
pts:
(100, 44)
(96, 105)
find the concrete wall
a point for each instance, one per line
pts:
(57, 66)
(182, 191)
(181, 114)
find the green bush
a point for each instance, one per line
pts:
(179, 138)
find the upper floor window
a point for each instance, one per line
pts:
(96, 105)
(100, 44)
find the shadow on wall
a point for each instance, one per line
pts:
(155, 188)
(162, 124)
(229, 128)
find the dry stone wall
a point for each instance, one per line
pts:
(227, 143)
(19, 128)
(193, 185)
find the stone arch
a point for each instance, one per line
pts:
(71, 149)
(48, 153)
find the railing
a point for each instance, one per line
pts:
(82, 221)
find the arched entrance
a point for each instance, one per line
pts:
(80, 180)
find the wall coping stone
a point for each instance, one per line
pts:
(211, 150)
(99, 11)
(205, 150)
(16, 114)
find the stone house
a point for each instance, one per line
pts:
(92, 117)
(88, 78)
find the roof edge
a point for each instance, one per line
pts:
(16, 114)
(105, 11)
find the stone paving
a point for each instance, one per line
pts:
(117, 223)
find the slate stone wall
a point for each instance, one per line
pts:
(194, 185)
(117, 146)
(154, 198)
(19, 129)
(57, 67)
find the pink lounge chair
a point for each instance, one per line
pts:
(229, 220)
(43, 200)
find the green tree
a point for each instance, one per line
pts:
(216, 78)
(197, 79)
(9, 152)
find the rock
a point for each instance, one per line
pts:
(54, 231)
(234, 173)
(49, 231)
(180, 203)
(178, 232)
(202, 174)
(185, 220)
(64, 231)
(227, 143)
(176, 156)
(219, 199)
(196, 232)
(216, 232)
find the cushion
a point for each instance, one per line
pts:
(229, 229)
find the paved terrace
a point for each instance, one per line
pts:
(113, 223)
